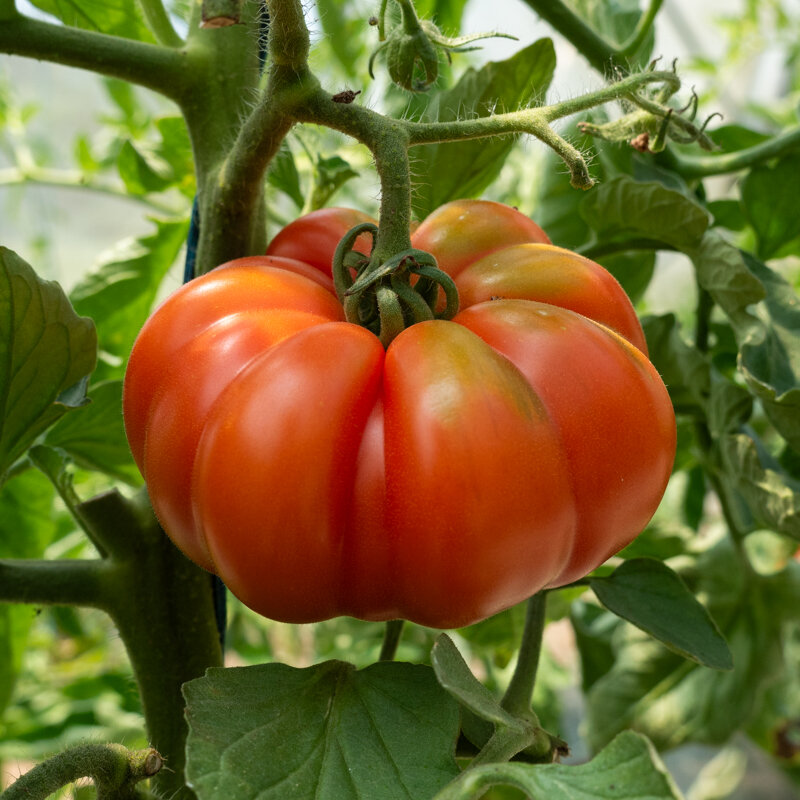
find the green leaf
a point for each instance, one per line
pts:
(729, 407)
(633, 269)
(650, 595)
(326, 732)
(453, 170)
(623, 209)
(115, 17)
(769, 196)
(140, 174)
(456, 677)
(772, 496)
(684, 370)
(770, 350)
(730, 138)
(722, 271)
(330, 174)
(628, 769)
(346, 33)
(94, 436)
(175, 150)
(445, 13)
(594, 628)
(45, 348)
(615, 20)
(27, 526)
(672, 700)
(120, 294)
(283, 175)
(727, 214)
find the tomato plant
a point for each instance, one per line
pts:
(381, 407)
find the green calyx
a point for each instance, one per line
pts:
(412, 48)
(380, 296)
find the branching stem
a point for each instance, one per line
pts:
(154, 66)
(62, 582)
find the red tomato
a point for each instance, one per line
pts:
(463, 231)
(313, 237)
(471, 464)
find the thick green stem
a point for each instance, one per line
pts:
(225, 68)
(154, 66)
(389, 141)
(289, 41)
(220, 13)
(114, 769)
(8, 9)
(161, 603)
(60, 583)
(517, 699)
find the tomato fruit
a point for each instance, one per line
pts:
(464, 468)
(313, 237)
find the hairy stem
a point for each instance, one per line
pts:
(114, 769)
(504, 744)
(289, 41)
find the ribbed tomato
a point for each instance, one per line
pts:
(469, 465)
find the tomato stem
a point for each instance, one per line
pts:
(114, 769)
(391, 639)
(517, 699)
(380, 297)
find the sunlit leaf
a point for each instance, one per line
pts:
(649, 594)
(328, 732)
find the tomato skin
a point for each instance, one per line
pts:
(313, 237)
(462, 231)
(549, 274)
(617, 461)
(471, 464)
